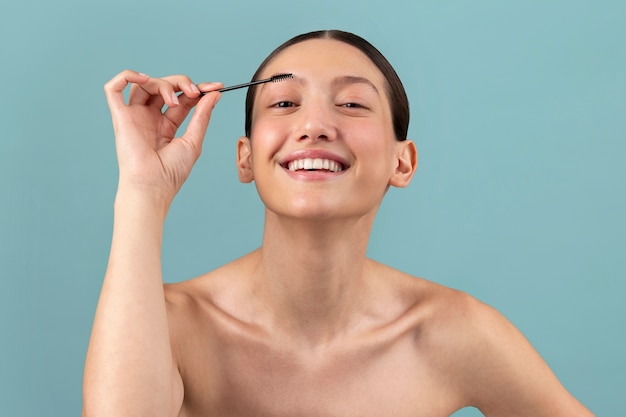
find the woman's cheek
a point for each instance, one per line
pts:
(368, 135)
(268, 137)
(263, 135)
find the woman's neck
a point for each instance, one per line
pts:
(312, 275)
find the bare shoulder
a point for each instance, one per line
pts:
(188, 308)
(209, 304)
(192, 300)
(485, 358)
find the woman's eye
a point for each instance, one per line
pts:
(284, 104)
(353, 106)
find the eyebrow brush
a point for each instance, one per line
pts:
(275, 78)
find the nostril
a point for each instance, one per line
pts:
(314, 138)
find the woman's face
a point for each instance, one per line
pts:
(322, 143)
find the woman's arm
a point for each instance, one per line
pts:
(505, 375)
(130, 369)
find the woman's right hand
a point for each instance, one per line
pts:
(150, 156)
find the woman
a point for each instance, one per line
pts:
(306, 325)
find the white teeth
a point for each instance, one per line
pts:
(317, 163)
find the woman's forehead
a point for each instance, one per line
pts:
(329, 57)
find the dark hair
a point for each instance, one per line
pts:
(398, 100)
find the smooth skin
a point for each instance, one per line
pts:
(306, 325)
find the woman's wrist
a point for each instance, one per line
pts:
(150, 201)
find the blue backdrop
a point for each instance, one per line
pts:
(518, 111)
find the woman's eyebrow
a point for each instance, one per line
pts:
(292, 78)
(352, 79)
(341, 81)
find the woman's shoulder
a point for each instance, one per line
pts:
(481, 353)
(448, 321)
(206, 311)
(209, 287)
(441, 302)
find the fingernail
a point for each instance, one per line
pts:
(194, 88)
(142, 74)
(211, 85)
(174, 98)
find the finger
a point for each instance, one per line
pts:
(177, 114)
(166, 88)
(208, 87)
(200, 119)
(114, 88)
(138, 96)
(156, 90)
(184, 84)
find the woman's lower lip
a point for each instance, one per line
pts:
(313, 174)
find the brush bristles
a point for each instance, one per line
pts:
(278, 77)
(281, 77)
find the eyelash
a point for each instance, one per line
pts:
(287, 104)
(281, 104)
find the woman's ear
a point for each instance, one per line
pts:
(244, 160)
(406, 164)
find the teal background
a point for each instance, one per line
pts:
(518, 111)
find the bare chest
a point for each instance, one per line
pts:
(241, 379)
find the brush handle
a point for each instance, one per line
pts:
(234, 87)
(278, 77)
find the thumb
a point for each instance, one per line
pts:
(200, 119)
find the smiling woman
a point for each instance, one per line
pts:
(306, 325)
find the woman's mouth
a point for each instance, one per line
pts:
(314, 164)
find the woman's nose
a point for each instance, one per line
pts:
(316, 122)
